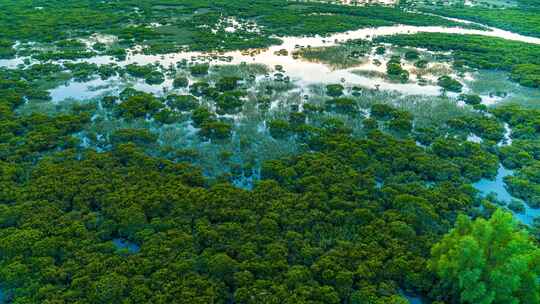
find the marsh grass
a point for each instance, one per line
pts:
(339, 56)
(243, 71)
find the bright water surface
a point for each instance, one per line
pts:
(301, 71)
(497, 186)
(124, 244)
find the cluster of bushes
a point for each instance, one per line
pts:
(449, 84)
(315, 216)
(520, 58)
(395, 71)
(204, 30)
(6, 49)
(353, 218)
(526, 74)
(149, 72)
(523, 154)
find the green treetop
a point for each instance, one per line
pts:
(488, 261)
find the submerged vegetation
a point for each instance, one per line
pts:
(521, 21)
(202, 25)
(172, 176)
(522, 59)
(341, 56)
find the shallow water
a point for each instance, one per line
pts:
(495, 87)
(310, 72)
(507, 136)
(124, 244)
(82, 90)
(414, 300)
(301, 71)
(99, 87)
(497, 186)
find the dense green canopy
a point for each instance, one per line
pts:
(488, 262)
(192, 182)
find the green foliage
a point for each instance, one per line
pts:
(334, 90)
(199, 69)
(479, 52)
(341, 56)
(141, 137)
(202, 25)
(516, 206)
(201, 115)
(524, 153)
(148, 72)
(200, 237)
(487, 261)
(526, 184)
(342, 105)
(525, 123)
(227, 83)
(167, 116)
(181, 82)
(349, 217)
(449, 84)
(382, 111)
(6, 49)
(421, 64)
(525, 22)
(139, 106)
(470, 99)
(182, 102)
(473, 162)
(352, 217)
(402, 124)
(67, 54)
(279, 128)
(200, 88)
(526, 74)
(215, 130)
(395, 71)
(230, 102)
(411, 55)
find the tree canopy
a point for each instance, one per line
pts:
(488, 261)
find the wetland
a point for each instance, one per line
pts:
(182, 151)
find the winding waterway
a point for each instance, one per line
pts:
(300, 71)
(305, 72)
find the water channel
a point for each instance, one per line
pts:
(300, 71)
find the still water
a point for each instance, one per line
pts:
(497, 186)
(124, 244)
(302, 72)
